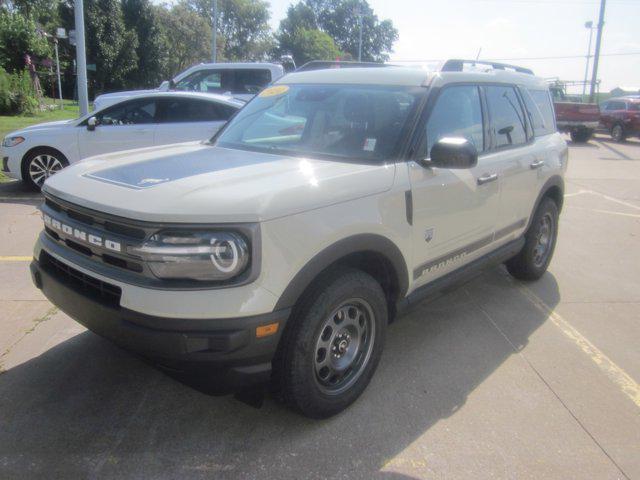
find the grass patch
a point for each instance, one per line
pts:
(10, 123)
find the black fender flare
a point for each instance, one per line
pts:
(555, 181)
(360, 243)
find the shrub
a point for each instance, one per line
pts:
(17, 95)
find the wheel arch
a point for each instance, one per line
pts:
(553, 189)
(32, 150)
(374, 254)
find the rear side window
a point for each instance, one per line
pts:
(540, 111)
(181, 110)
(507, 116)
(457, 113)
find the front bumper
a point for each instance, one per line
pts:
(224, 353)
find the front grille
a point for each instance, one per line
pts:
(99, 225)
(86, 284)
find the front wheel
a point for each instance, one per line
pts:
(540, 242)
(40, 165)
(333, 345)
(581, 136)
(618, 133)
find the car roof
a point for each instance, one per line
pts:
(211, 97)
(408, 76)
(625, 99)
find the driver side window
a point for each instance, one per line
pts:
(136, 112)
(457, 113)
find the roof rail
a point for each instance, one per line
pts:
(324, 64)
(457, 65)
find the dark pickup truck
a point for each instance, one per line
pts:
(577, 118)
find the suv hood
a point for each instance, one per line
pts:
(199, 183)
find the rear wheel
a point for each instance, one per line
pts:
(540, 242)
(40, 164)
(333, 345)
(618, 133)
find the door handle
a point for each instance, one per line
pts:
(536, 164)
(486, 178)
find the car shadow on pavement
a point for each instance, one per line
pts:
(86, 409)
(14, 191)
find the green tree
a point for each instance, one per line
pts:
(142, 18)
(243, 27)
(312, 44)
(339, 19)
(19, 36)
(109, 44)
(189, 37)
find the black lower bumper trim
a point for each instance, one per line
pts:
(225, 350)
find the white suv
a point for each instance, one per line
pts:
(279, 251)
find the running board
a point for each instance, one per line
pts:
(460, 276)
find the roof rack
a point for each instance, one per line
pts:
(457, 65)
(324, 64)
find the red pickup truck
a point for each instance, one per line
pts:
(578, 119)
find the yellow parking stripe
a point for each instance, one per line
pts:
(14, 258)
(616, 374)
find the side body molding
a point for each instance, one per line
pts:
(362, 243)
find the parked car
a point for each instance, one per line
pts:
(35, 153)
(238, 80)
(573, 116)
(621, 117)
(279, 251)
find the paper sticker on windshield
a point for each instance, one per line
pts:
(369, 144)
(273, 91)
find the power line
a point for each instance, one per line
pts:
(558, 57)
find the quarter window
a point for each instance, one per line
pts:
(507, 116)
(457, 113)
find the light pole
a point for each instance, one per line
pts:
(588, 25)
(81, 59)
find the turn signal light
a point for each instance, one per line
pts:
(266, 330)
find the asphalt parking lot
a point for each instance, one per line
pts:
(498, 379)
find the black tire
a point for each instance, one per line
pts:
(530, 264)
(581, 136)
(298, 378)
(617, 133)
(40, 164)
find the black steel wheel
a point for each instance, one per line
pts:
(332, 344)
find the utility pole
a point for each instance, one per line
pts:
(360, 33)
(214, 30)
(596, 56)
(588, 25)
(81, 59)
(55, 43)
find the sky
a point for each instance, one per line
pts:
(504, 29)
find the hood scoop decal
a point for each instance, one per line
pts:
(149, 173)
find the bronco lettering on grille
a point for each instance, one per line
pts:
(81, 235)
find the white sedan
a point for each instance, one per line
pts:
(144, 120)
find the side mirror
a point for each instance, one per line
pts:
(164, 86)
(453, 152)
(91, 124)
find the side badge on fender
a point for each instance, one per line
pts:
(428, 234)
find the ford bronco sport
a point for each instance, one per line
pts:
(278, 252)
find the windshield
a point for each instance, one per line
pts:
(344, 121)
